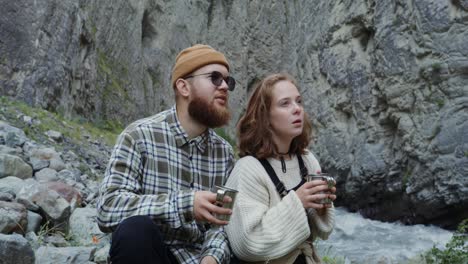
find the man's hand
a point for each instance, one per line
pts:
(208, 260)
(204, 208)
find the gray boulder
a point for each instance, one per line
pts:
(54, 135)
(34, 222)
(15, 249)
(48, 154)
(13, 218)
(11, 136)
(65, 255)
(14, 166)
(11, 185)
(11, 151)
(53, 207)
(46, 175)
(84, 228)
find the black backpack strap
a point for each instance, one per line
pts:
(276, 181)
(304, 172)
(302, 167)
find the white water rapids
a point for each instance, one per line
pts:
(360, 240)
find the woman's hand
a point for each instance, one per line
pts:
(311, 193)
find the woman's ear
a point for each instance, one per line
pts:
(183, 87)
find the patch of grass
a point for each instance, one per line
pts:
(440, 102)
(71, 240)
(329, 258)
(405, 178)
(27, 131)
(108, 125)
(94, 31)
(104, 131)
(85, 169)
(42, 233)
(456, 250)
(3, 61)
(436, 131)
(46, 230)
(333, 260)
(112, 70)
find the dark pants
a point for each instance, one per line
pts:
(138, 240)
(300, 260)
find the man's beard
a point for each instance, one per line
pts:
(207, 113)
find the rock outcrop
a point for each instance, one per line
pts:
(385, 82)
(48, 214)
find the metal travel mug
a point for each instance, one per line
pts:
(222, 191)
(323, 177)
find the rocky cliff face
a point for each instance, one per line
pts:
(385, 82)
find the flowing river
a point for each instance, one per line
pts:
(359, 240)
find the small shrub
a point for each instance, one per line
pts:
(456, 250)
(440, 102)
(406, 177)
(44, 231)
(436, 66)
(3, 100)
(328, 257)
(333, 260)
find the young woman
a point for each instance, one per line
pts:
(270, 224)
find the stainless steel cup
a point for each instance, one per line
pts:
(222, 191)
(330, 182)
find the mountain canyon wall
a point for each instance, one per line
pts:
(385, 82)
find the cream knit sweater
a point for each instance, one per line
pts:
(265, 229)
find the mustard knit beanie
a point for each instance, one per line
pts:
(195, 57)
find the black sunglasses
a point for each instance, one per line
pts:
(217, 79)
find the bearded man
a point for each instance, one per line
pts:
(156, 195)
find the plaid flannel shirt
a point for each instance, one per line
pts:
(155, 170)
